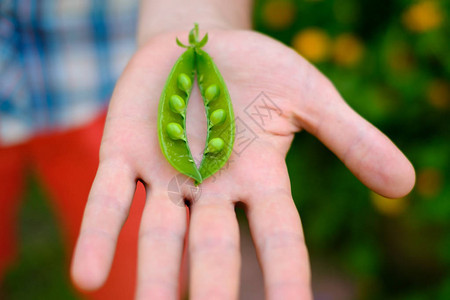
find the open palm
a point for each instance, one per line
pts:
(275, 93)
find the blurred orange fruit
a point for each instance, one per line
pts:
(279, 14)
(313, 43)
(387, 206)
(423, 16)
(347, 50)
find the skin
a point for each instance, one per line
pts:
(249, 63)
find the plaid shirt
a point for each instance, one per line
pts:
(59, 61)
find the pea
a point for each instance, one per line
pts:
(184, 82)
(215, 145)
(177, 105)
(219, 111)
(217, 117)
(175, 131)
(211, 93)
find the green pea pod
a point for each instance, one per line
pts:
(174, 148)
(219, 99)
(219, 112)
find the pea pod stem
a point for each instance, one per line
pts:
(193, 39)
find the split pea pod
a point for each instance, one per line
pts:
(219, 113)
(172, 115)
(218, 108)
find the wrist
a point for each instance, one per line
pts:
(159, 16)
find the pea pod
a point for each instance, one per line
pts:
(218, 108)
(172, 111)
(219, 113)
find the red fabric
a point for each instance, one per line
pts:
(11, 185)
(66, 164)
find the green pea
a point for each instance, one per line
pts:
(184, 82)
(217, 117)
(175, 131)
(215, 145)
(211, 93)
(177, 104)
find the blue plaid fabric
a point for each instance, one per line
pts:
(59, 61)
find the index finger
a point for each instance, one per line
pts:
(105, 213)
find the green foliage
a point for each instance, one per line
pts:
(398, 79)
(41, 271)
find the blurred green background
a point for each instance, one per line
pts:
(391, 62)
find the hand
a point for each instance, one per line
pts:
(250, 64)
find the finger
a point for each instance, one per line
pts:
(105, 213)
(214, 249)
(367, 152)
(161, 242)
(276, 230)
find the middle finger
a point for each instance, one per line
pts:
(161, 242)
(214, 249)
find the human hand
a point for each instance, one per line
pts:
(305, 100)
(250, 64)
